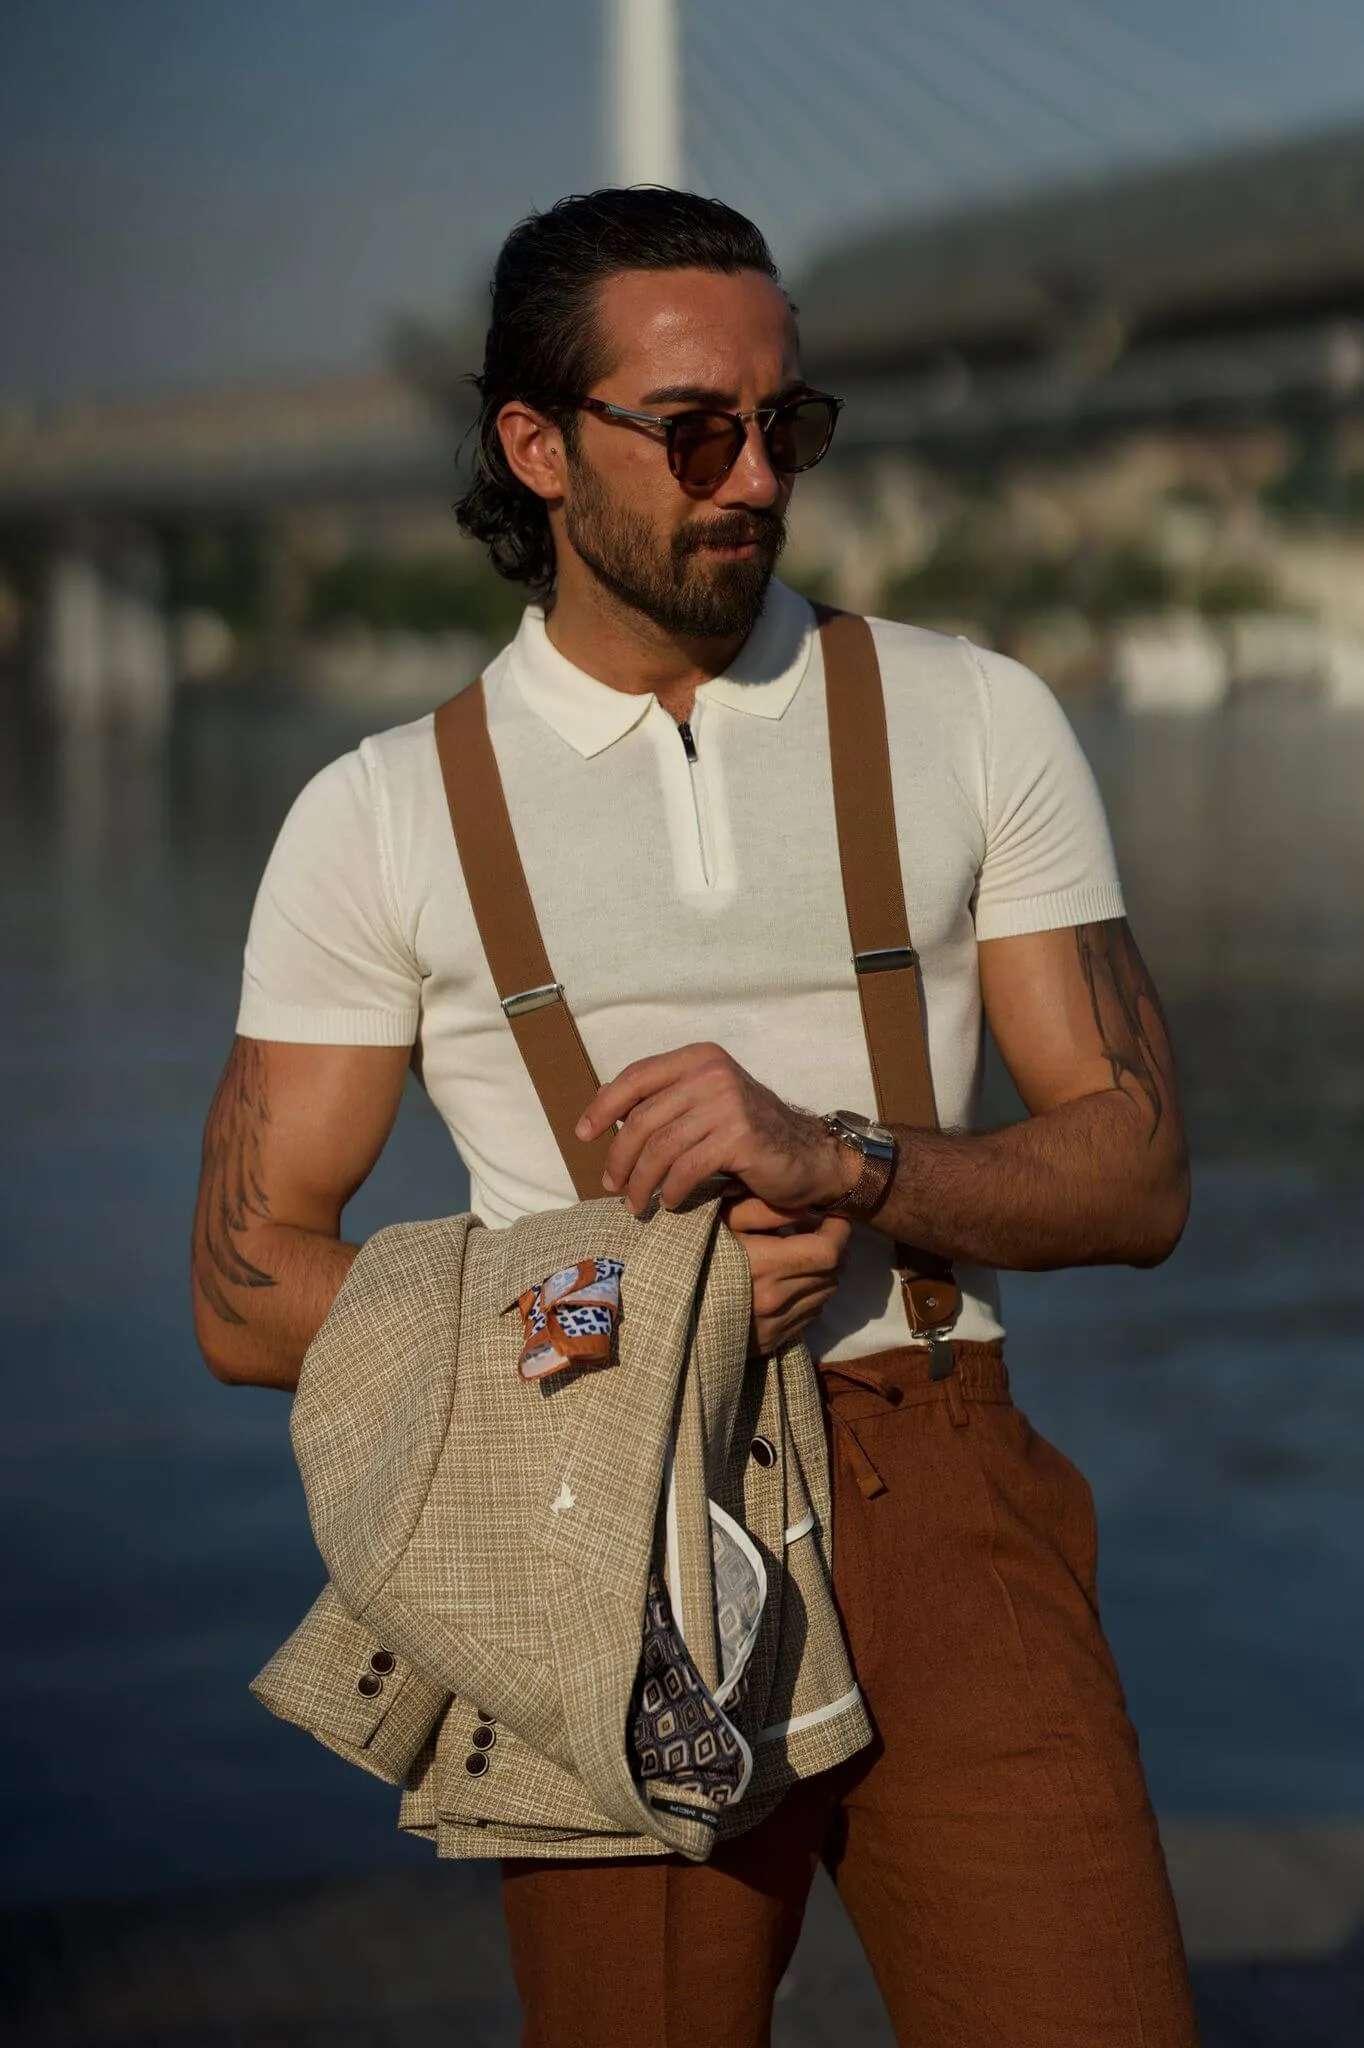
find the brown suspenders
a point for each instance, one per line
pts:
(883, 957)
(533, 1001)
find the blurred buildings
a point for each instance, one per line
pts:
(1117, 429)
(1134, 411)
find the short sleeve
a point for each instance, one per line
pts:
(326, 962)
(1049, 859)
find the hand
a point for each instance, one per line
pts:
(689, 1115)
(793, 1258)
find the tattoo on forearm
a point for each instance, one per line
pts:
(1123, 998)
(233, 1196)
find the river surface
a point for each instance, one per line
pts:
(153, 1521)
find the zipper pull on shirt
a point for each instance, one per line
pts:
(696, 782)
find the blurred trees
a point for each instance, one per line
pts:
(422, 593)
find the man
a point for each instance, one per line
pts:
(659, 725)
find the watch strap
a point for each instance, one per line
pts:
(868, 1191)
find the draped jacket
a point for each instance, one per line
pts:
(496, 1546)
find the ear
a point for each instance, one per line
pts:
(534, 448)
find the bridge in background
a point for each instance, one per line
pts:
(101, 484)
(224, 453)
(1212, 291)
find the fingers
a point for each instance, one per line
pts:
(775, 1326)
(674, 1160)
(784, 1295)
(707, 1160)
(794, 1275)
(836, 1231)
(642, 1079)
(745, 1132)
(747, 1213)
(654, 1134)
(805, 1254)
(679, 1131)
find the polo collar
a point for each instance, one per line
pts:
(591, 716)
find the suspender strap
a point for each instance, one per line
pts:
(883, 954)
(542, 1024)
(869, 854)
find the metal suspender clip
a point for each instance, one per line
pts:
(932, 1306)
(884, 958)
(942, 1359)
(533, 999)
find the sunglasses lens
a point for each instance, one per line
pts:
(800, 433)
(705, 446)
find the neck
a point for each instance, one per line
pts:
(619, 646)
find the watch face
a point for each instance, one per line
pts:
(876, 1140)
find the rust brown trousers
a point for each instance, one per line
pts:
(995, 1846)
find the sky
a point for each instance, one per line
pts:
(212, 191)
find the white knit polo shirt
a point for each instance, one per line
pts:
(684, 900)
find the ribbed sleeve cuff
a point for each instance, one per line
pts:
(294, 1026)
(1090, 905)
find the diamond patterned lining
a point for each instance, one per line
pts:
(678, 1734)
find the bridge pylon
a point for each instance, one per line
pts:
(104, 651)
(644, 91)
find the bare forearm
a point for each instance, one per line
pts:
(1096, 1175)
(256, 1317)
(1081, 1184)
(262, 1285)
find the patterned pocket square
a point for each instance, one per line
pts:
(570, 1318)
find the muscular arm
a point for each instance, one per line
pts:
(1098, 1172)
(292, 1133)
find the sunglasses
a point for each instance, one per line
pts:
(703, 447)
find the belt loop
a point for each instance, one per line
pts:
(869, 1480)
(956, 1406)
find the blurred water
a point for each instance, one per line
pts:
(154, 1522)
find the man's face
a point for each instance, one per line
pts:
(696, 561)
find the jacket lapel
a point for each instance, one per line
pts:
(600, 1505)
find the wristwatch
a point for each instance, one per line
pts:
(876, 1143)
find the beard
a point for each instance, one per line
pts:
(671, 581)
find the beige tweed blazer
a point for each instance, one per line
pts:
(489, 1539)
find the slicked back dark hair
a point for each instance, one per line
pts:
(543, 344)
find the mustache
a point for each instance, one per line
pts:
(766, 530)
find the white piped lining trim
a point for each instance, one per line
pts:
(744, 1751)
(812, 1719)
(673, 1542)
(675, 1599)
(727, 1685)
(802, 1527)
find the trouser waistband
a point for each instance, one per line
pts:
(910, 1372)
(900, 1378)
